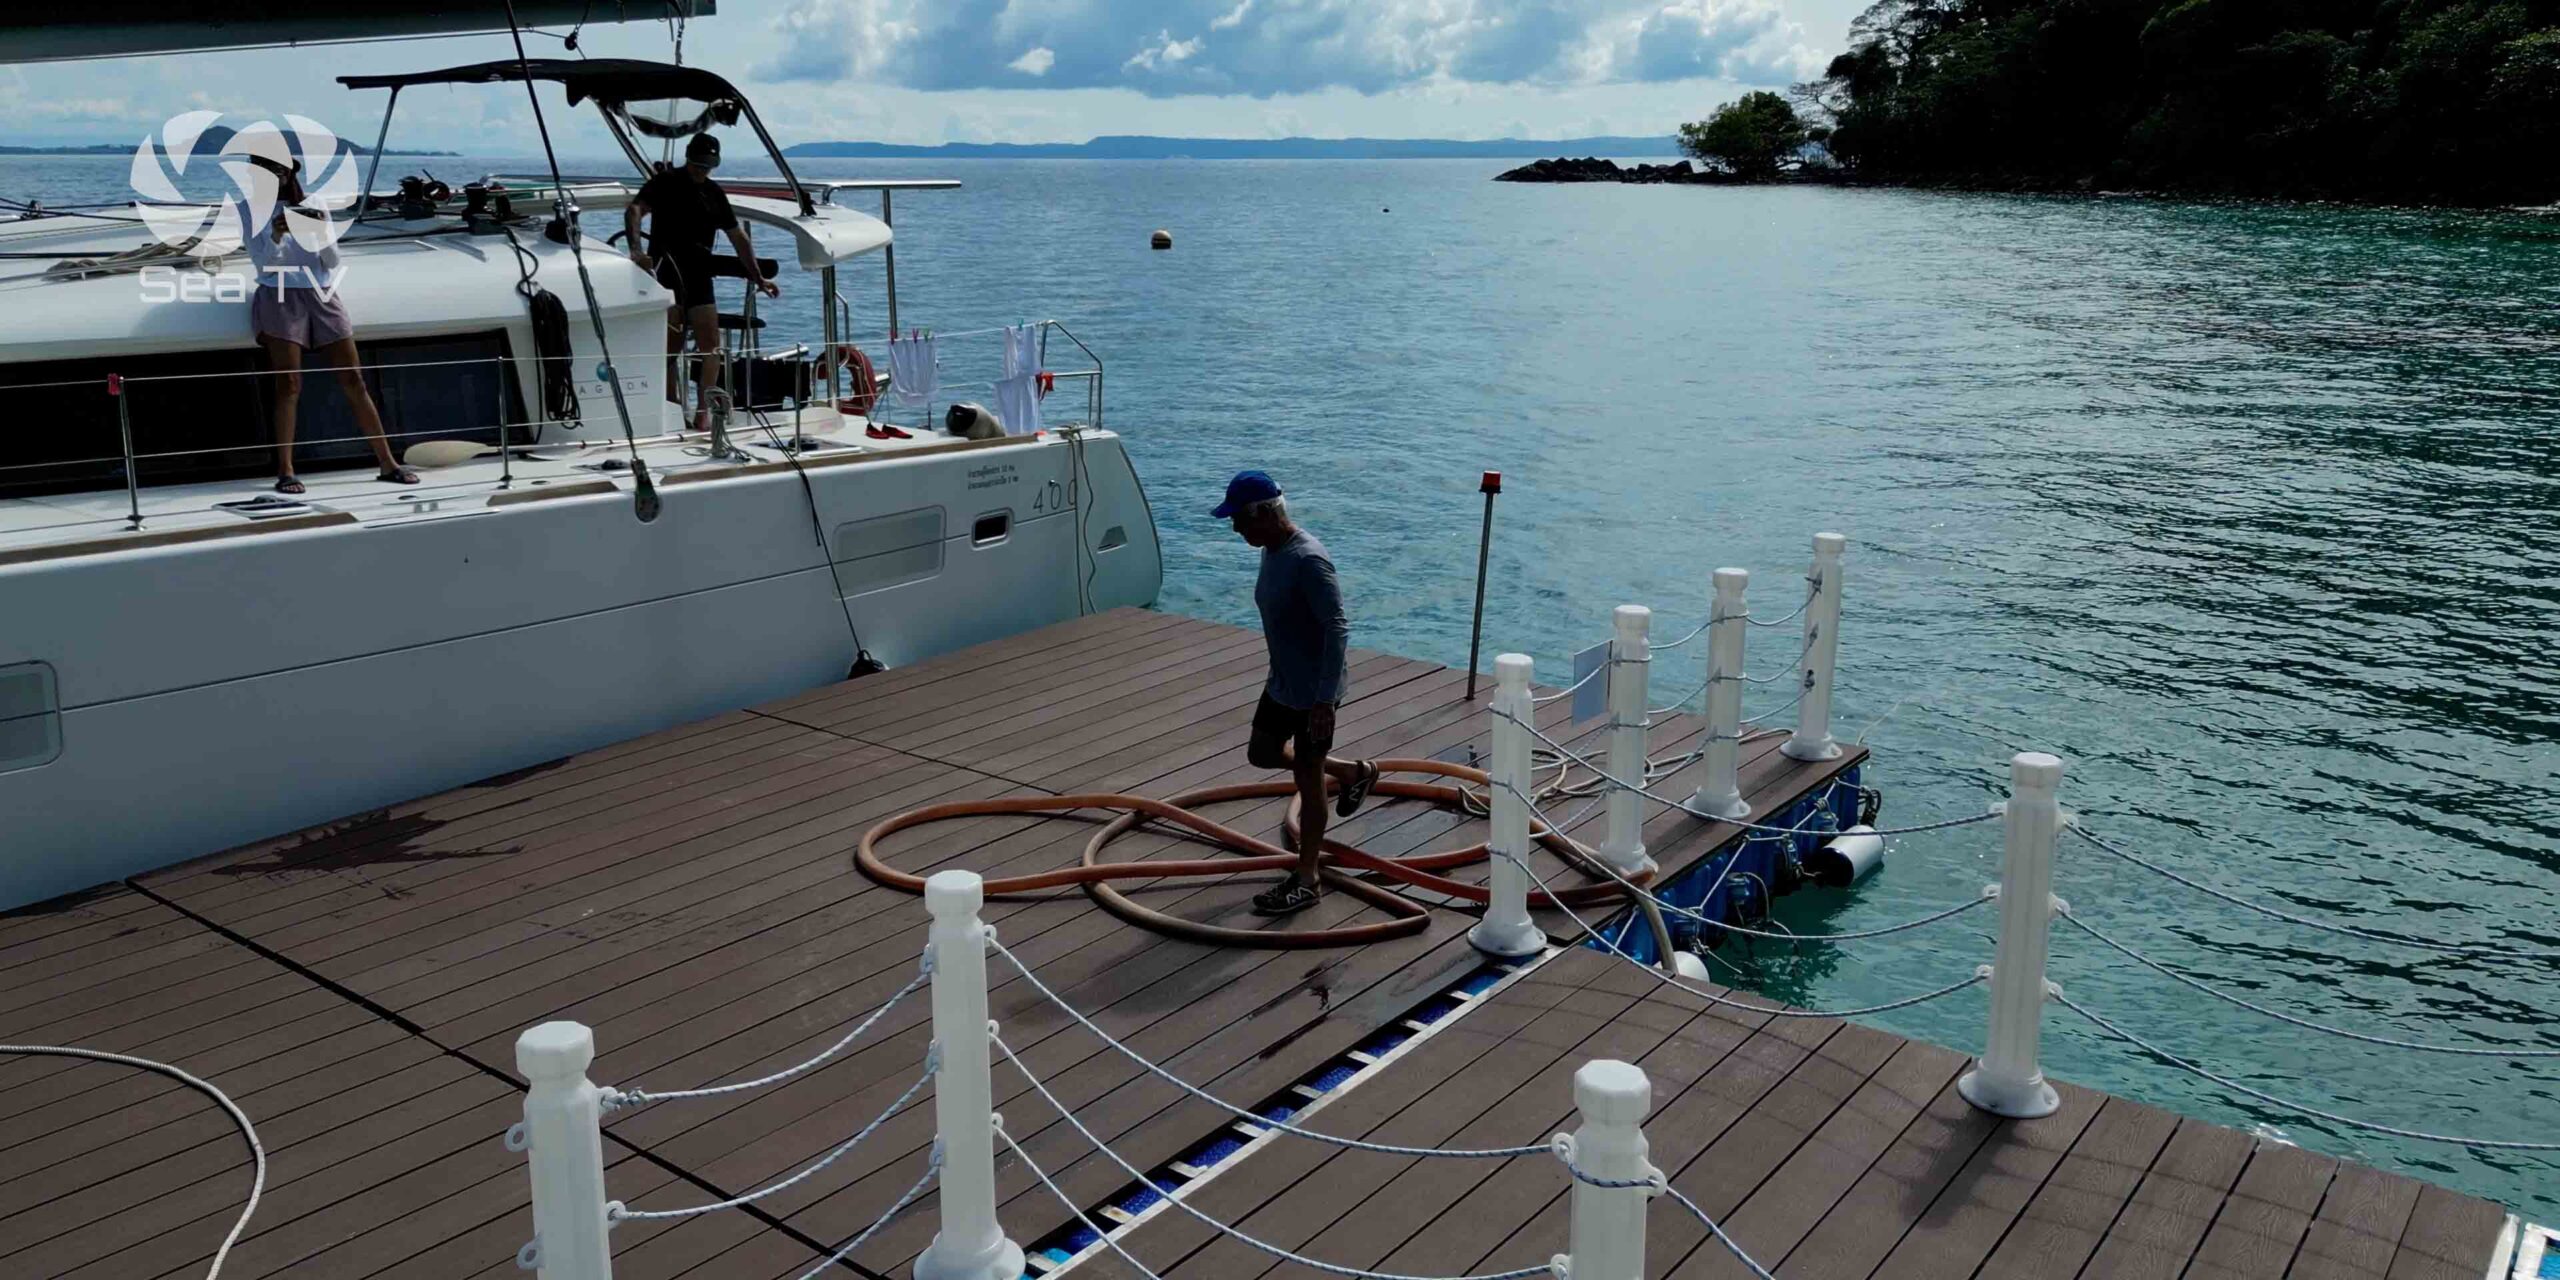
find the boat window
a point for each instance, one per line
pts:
(888, 551)
(991, 528)
(30, 716)
(209, 415)
(1114, 538)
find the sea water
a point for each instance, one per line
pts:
(2249, 512)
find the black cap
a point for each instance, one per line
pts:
(703, 147)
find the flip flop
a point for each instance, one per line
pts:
(396, 475)
(288, 484)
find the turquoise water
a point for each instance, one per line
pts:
(2247, 512)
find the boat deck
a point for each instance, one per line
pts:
(358, 988)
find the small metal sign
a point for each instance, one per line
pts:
(1591, 700)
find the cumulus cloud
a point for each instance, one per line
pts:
(1270, 47)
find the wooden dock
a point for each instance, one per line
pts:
(358, 988)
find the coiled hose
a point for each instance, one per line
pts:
(1098, 878)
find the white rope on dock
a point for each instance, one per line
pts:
(616, 1213)
(1813, 588)
(1250, 1117)
(1223, 1228)
(932, 1170)
(2287, 1103)
(2370, 935)
(623, 1099)
(1683, 806)
(1664, 1187)
(2279, 1015)
(248, 1131)
(1776, 1011)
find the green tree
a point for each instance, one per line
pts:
(1754, 135)
(2431, 100)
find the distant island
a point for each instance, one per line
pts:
(210, 142)
(2439, 102)
(1142, 147)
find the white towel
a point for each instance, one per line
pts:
(1017, 395)
(915, 371)
(1021, 349)
(1018, 403)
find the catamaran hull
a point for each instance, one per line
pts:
(213, 693)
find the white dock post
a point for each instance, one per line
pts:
(971, 1244)
(1719, 794)
(1630, 659)
(1607, 1240)
(1506, 929)
(564, 1148)
(1812, 740)
(2008, 1081)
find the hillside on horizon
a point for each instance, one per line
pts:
(1150, 147)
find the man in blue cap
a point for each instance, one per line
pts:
(1307, 634)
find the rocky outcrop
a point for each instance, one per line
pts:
(1594, 169)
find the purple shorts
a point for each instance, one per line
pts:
(300, 316)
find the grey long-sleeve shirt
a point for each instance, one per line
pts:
(1303, 624)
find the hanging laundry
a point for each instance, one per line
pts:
(915, 370)
(1017, 392)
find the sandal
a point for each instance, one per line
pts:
(395, 475)
(288, 484)
(1348, 802)
(1281, 899)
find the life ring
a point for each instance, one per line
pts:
(862, 384)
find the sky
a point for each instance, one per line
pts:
(930, 71)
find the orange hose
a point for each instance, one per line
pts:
(1097, 877)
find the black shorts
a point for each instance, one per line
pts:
(689, 275)
(1274, 724)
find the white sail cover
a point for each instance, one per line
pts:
(110, 28)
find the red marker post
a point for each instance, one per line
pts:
(1489, 486)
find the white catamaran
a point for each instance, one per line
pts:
(189, 660)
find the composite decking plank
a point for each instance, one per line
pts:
(1875, 1215)
(392, 870)
(2160, 1227)
(1966, 1221)
(1833, 1161)
(2260, 1225)
(2451, 1227)
(2357, 1229)
(2069, 1215)
(1441, 1091)
(217, 882)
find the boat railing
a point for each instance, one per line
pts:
(778, 418)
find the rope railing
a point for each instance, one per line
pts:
(2388, 1042)
(1661, 978)
(1253, 1117)
(625, 1099)
(1640, 893)
(1575, 757)
(1230, 1230)
(2307, 922)
(615, 1212)
(932, 1170)
(2332, 1117)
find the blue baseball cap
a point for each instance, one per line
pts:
(1247, 488)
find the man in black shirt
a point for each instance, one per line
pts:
(684, 206)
